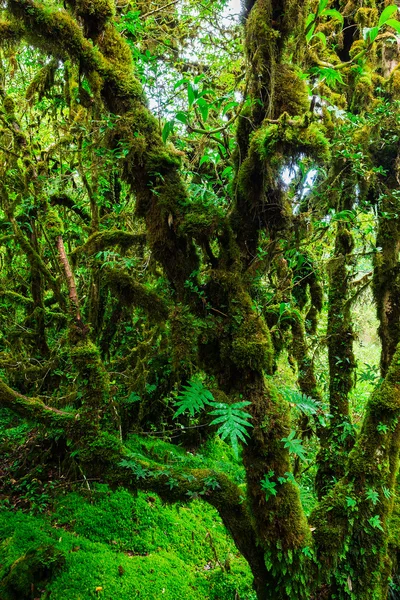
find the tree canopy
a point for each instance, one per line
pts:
(195, 209)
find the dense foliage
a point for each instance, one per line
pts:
(197, 211)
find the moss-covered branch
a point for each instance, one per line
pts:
(149, 168)
(33, 408)
(108, 239)
(132, 293)
(63, 200)
(10, 31)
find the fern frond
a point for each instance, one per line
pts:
(232, 421)
(302, 402)
(193, 398)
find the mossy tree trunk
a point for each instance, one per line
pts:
(338, 439)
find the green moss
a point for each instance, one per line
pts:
(129, 546)
(42, 82)
(366, 17)
(291, 93)
(394, 84)
(53, 224)
(96, 12)
(114, 46)
(132, 293)
(93, 380)
(102, 240)
(10, 31)
(183, 339)
(252, 346)
(29, 572)
(279, 141)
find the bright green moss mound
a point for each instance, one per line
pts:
(127, 546)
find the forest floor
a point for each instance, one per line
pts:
(65, 538)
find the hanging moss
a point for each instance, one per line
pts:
(43, 82)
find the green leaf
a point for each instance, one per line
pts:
(182, 117)
(203, 107)
(294, 445)
(227, 172)
(229, 106)
(193, 398)
(204, 158)
(232, 421)
(309, 20)
(167, 129)
(302, 402)
(191, 94)
(386, 14)
(180, 82)
(344, 215)
(331, 76)
(334, 14)
(393, 23)
(351, 502)
(309, 33)
(372, 34)
(372, 495)
(133, 397)
(269, 486)
(322, 37)
(321, 6)
(376, 522)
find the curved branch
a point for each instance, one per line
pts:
(33, 408)
(105, 239)
(63, 200)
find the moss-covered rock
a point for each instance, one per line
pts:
(30, 573)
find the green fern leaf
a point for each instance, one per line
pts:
(232, 421)
(302, 402)
(193, 398)
(295, 446)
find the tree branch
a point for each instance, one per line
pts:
(33, 408)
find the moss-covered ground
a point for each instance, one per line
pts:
(69, 542)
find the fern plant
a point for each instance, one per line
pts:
(302, 402)
(193, 398)
(233, 421)
(294, 445)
